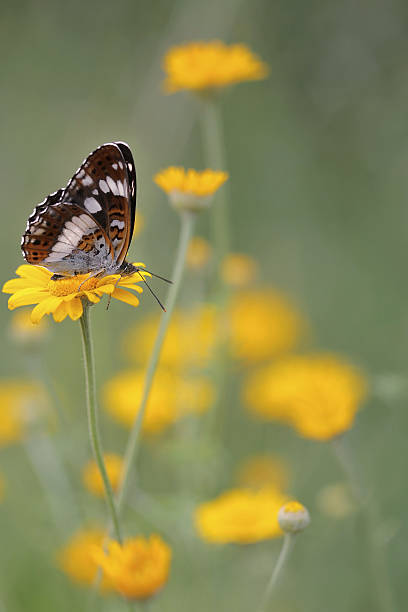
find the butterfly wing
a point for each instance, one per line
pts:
(105, 187)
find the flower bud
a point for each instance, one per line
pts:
(293, 517)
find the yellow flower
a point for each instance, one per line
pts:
(263, 323)
(190, 189)
(293, 517)
(24, 331)
(93, 480)
(263, 471)
(238, 270)
(137, 569)
(19, 403)
(77, 558)
(170, 398)
(318, 394)
(63, 297)
(189, 343)
(200, 66)
(198, 253)
(240, 515)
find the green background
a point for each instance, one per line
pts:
(317, 155)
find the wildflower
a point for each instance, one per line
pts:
(189, 342)
(77, 558)
(238, 270)
(137, 569)
(262, 471)
(203, 66)
(190, 189)
(263, 324)
(293, 517)
(63, 297)
(240, 515)
(198, 253)
(24, 332)
(170, 398)
(319, 395)
(19, 401)
(335, 500)
(93, 480)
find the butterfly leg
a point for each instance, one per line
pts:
(95, 274)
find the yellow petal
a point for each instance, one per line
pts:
(36, 274)
(130, 285)
(92, 297)
(16, 284)
(125, 296)
(74, 308)
(24, 297)
(45, 307)
(60, 313)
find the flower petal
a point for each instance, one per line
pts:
(24, 297)
(125, 296)
(45, 307)
(36, 274)
(74, 308)
(16, 284)
(92, 297)
(60, 313)
(129, 285)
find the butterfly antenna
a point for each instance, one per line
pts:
(156, 276)
(151, 291)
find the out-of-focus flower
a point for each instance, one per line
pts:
(189, 343)
(77, 557)
(63, 297)
(239, 270)
(240, 515)
(20, 402)
(293, 517)
(318, 394)
(190, 189)
(198, 253)
(140, 222)
(170, 398)
(261, 471)
(203, 66)
(137, 569)
(263, 324)
(93, 480)
(24, 332)
(336, 501)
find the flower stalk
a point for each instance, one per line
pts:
(92, 409)
(287, 546)
(186, 232)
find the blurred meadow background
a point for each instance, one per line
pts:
(317, 156)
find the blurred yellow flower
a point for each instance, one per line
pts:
(263, 324)
(137, 569)
(190, 189)
(318, 394)
(140, 222)
(24, 331)
(240, 515)
(170, 398)
(261, 471)
(335, 500)
(238, 270)
(189, 342)
(200, 66)
(198, 253)
(62, 298)
(93, 480)
(77, 558)
(19, 403)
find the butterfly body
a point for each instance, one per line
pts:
(87, 227)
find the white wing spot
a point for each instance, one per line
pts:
(87, 181)
(121, 188)
(92, 205)
(115, 166)
(103, 185)
(117, 223)
(95, 192)
(112, 185)
(120, 165)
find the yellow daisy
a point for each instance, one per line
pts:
(203, 66)
(92, 478)
(190, 189)
(63, 297)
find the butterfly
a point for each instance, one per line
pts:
(87, 227)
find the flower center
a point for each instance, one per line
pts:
(72, 284)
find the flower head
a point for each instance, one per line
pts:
(240, 515)
(238, 270)
(77, 558)
(93, 480)
(263, 324)
(198, 253)
(190, 189)
(63, 297)
(203, 66)
(19, 403)
(261, 471)
(171, 398)
(293, 517)
(318, 394)
(138, 568)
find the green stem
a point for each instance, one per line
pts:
(213, 143)
(287, 546)
(369, 511)
(186, 232)
(93, 425)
